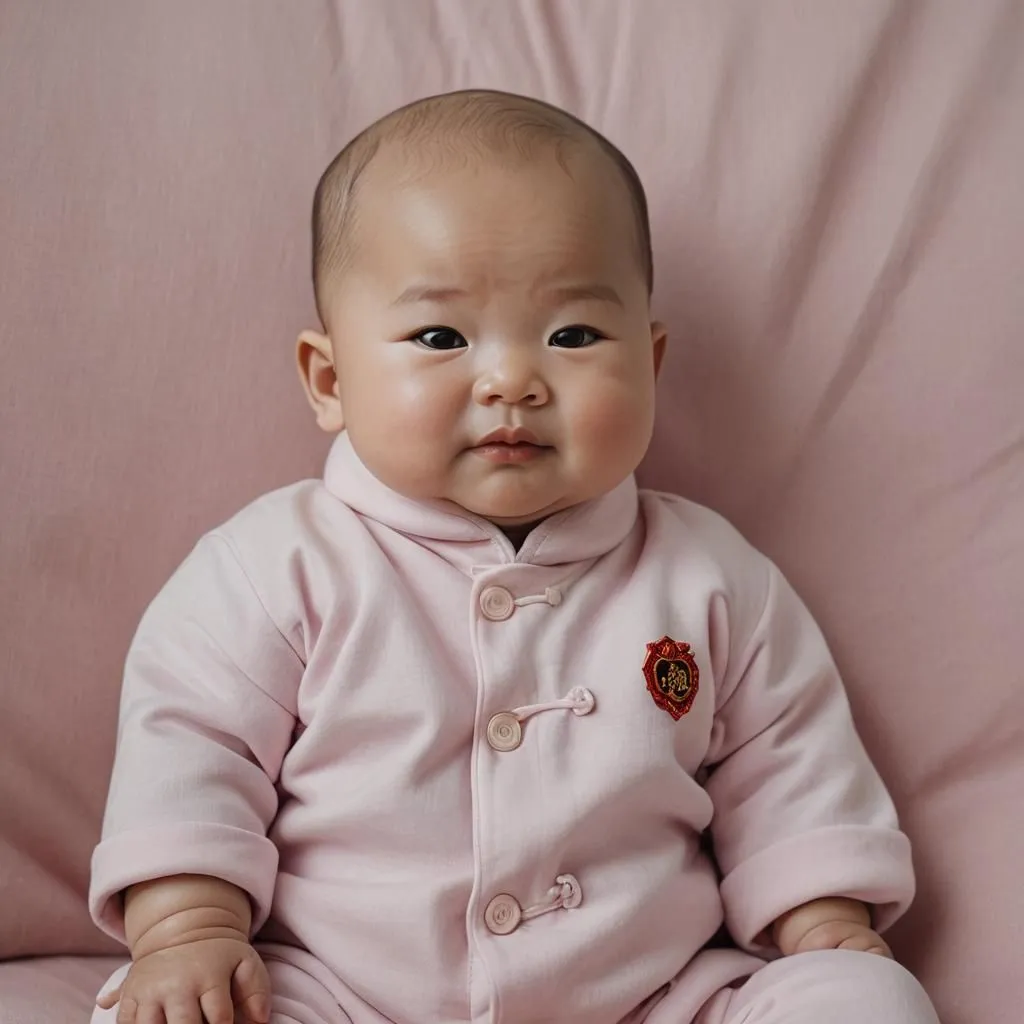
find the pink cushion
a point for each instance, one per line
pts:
(838, 224)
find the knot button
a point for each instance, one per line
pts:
(582, 701)
(571, 892)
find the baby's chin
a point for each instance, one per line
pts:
(509, 512)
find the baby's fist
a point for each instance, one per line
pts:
(204, 980)
(828, 924)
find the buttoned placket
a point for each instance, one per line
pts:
(504, 610)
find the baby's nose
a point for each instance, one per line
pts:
(514, 380)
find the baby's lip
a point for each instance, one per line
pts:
(510, 435)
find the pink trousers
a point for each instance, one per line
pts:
(833, 987)
(813, 988)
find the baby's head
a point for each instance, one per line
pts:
(482, 267)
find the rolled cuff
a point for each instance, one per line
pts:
(872, 865)
(234, 855)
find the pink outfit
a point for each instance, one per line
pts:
(440, 770)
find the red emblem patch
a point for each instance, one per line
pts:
(673, 678)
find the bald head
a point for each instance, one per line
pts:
(459, 126)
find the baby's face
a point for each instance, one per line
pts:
(491, 334)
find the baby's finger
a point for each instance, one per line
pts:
(108, 1000)
(867, 943)
(256, 1008)
(183, 1011)
(127, 1011)
(250, 989)
(217, 1006)
(149, 1013)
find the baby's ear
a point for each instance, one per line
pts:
(659, 338)
(315, 357)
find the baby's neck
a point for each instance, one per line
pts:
(518, 534)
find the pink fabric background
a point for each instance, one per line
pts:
(838, 221)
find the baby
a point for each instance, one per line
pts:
(472, 730)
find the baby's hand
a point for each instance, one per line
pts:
(828, 924)
(207, 978)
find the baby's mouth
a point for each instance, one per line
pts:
(510, 453)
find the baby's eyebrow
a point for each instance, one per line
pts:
(428, 293)
(563, 294)
(583, 292)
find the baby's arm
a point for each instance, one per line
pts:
(207, 717)
(804, 831)
(191, 957)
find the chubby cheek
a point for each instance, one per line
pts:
(610, 426)
(405, 433)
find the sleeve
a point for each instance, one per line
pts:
(207, 714)
(800, 812)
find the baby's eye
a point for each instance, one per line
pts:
(439, 339)
(576, 336)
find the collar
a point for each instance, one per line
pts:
(581, 533)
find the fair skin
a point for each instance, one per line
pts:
(488, 346)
